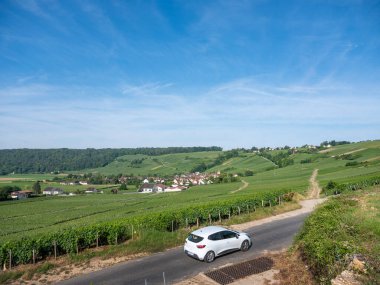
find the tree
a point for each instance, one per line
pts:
(6, 190)
(123, 186)
(248, 173)
(37, 187)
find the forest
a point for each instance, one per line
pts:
(63, 159)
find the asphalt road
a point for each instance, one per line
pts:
(174, 265)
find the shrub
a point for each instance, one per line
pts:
(325, 240)
(352, 163)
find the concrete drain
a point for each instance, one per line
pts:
(229, 274)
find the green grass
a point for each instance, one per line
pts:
(27, 274)
(28, 185)
(246, 161)
(33, 177)
(10, 275)
(343, 226)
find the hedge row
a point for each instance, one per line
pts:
(74, 239)
(333, 188)
(326, 240)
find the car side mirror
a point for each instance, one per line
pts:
(237, 236)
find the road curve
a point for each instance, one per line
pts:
(176, 266)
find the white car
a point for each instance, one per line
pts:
(210, 242)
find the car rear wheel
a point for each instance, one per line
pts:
(210, 256)
(244, 245)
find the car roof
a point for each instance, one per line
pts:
(206, 231)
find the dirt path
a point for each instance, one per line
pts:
(12, 179)
(357, 150)
(245, 185)
(327, 150)
(314, 189)
(228, 162)
(374, 158)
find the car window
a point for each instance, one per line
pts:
(216, 236)
(195, 238)
(228, 234)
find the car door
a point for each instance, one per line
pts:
(231, 241)
(217, 244)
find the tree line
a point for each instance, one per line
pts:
(202, 167)
(281, 159)
(63, 159)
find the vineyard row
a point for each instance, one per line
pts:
(30, 249)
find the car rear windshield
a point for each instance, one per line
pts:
(195, 238)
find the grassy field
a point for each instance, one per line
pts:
(181, 163)
(51, 213)
(168, 164)
(38, 215)
(246, 161)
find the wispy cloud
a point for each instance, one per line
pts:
(33, 7)
(145, 89)
(231, 73)
(241, 106)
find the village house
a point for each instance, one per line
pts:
(92, 191)
(194, 179)
(146, 188)
(159, 187)
(21, 194)
(123, 179)
(152, 188)
(70, 183)
(52, 191)
(180, 182)
(175, 189)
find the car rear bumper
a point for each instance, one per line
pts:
(193, 255)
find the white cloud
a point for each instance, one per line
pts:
(238, 113)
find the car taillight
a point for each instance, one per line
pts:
(201, 246)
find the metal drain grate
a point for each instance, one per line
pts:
(229, 274)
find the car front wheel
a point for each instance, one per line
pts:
(244, 245)
(210, 256)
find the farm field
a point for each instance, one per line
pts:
(52, 213)
(41, 215)
(27, 185)
(245, 161)
(168, 164)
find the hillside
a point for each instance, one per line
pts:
(98, 208)
(58, 160)
(146, 165)
(170, 164)
(242, 163)
(75, 222)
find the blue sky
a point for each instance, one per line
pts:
(81, 74)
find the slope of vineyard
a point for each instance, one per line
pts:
(168, 164)
(63, 159)
(358, 164)
(242, 163)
